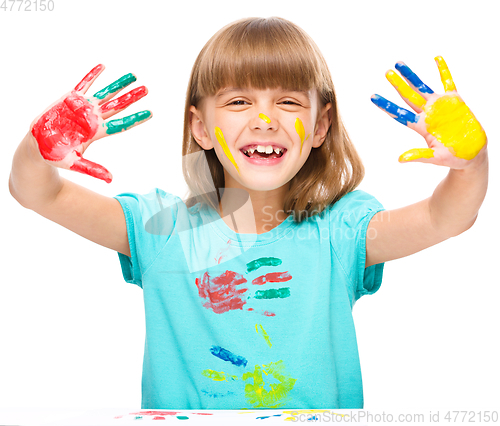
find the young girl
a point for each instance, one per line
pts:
(249, 282)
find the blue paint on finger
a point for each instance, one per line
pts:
(400, 114)
(407, 73)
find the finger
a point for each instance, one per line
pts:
(444, 72)
(92, 169)
(411, 97)
(109, 91)
(413, 79)
(87, 81)
(125, 123)
(416, 154)
(399, 114)
(116, 105)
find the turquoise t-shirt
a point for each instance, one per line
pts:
(238, 321)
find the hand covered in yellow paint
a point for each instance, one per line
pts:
(453, 135)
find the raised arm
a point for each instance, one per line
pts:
(58, 138)
(455, 139)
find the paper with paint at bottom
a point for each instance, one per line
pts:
(124, 417)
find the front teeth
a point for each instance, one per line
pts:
(264, 149)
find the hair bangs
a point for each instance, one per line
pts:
(264, 53)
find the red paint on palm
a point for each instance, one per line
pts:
(125, 100)
(221, 292)
(62, 131)
(64, 127)
(89, 77)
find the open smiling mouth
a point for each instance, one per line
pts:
(262, 152)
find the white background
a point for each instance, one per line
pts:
(72, 331)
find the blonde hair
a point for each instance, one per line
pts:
(269, 53)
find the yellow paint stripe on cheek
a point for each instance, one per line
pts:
(404, 90)
(222, 142)
(265, 118)
(299, 128)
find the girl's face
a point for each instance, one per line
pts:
(236, 120)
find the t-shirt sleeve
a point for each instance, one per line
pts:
(150, 222)
(349, 219)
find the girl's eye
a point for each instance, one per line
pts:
(238, 102)
(289, 103)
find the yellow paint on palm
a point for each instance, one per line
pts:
(451, 121)
(445, 74)
(265, 118)
(404, 90)
(299, 128)
(218, 376)
(264, 334)
(260, 397)
(222, 142)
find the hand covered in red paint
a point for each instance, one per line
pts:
(66, 129)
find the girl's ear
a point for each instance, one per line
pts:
(323, 125)
(198, 129)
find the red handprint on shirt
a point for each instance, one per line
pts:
(222, 292)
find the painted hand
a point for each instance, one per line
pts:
(453, 135)
(66, 129)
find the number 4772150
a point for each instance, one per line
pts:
(27, 6)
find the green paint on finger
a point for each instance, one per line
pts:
(273, 293)
(115, 86)
(121, 124)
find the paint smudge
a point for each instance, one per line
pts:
(125, 123)
(272, 293)
(264, 334)
(217, 394)
(267, 417)
(218, 376)
(115, 86)
(404, 90)
(444, 72)
(221, 292)
(220, 138)
(260, 397)
(272, 277)
(407, 73)
(183, 417)
(226, 355)
(263, 261)
(63, 129)
(399, 114)
(89, 77)
(265, 118)
(299, 128)
(124, 101)
(451, 121)
(265, 313)
(220, 254)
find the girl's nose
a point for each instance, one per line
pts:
(264, 122)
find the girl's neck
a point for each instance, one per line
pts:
(264, 213)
